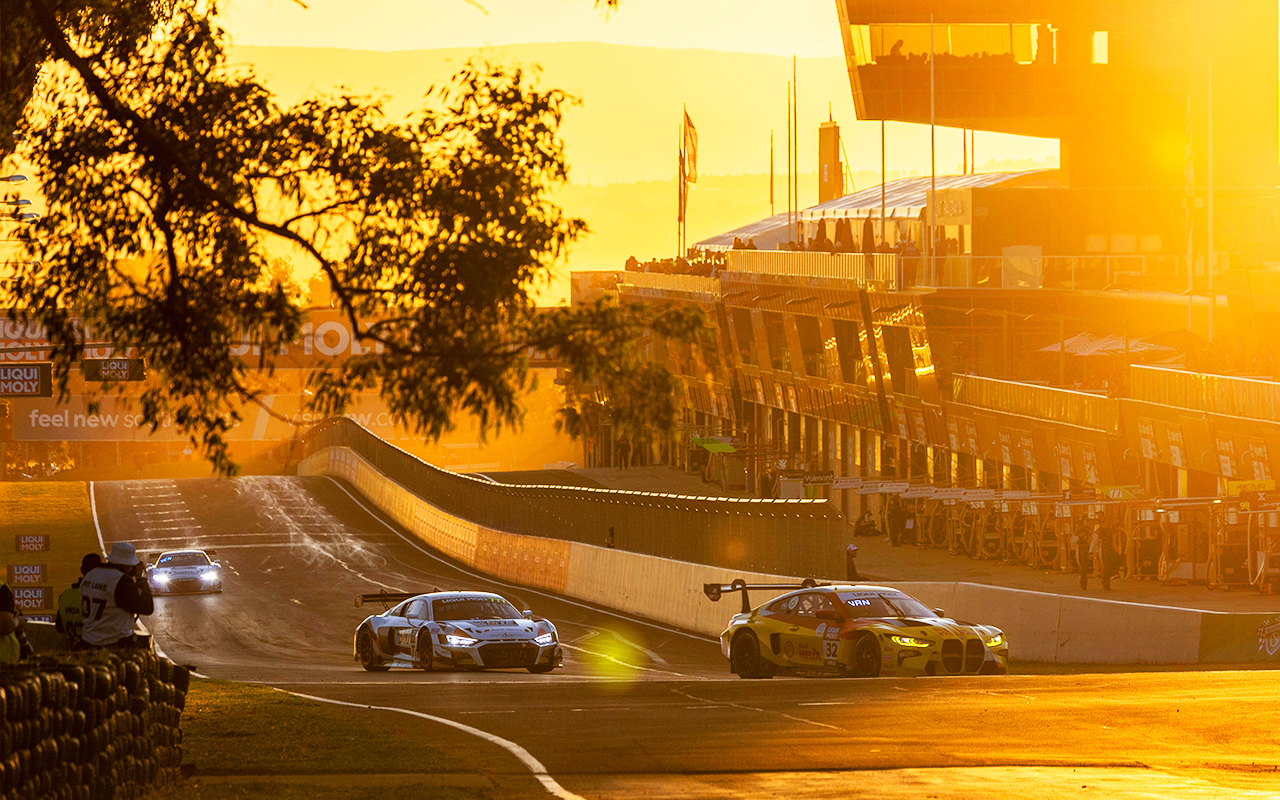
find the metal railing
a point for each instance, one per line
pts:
(875, 270)
(1218, 394)
(787, 537)
(703, 286)
(1042, 402)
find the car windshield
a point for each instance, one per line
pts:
(475, 608)
(183, 560)
(883, 604)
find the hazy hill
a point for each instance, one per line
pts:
(627, 126)
(621, 140)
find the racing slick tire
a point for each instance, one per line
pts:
(866, 656)
(423, 644)
(538, 669)
(367, 650)
(745, 658)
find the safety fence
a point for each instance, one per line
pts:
(101, 726)
(793, 537)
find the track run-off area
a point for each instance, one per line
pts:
(643, 710)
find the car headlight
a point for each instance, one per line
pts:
(545, 639)
(910, 641)
(996, 641)
(211, 575)
(460, 641)
(160, 577)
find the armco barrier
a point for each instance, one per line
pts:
(103, 726)
(784, 536)
(1040, 626)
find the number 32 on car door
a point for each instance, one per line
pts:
(830, 647)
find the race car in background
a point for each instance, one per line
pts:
(184, 572)
(855, 630)
(454, 630)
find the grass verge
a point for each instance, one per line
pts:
(248, 742)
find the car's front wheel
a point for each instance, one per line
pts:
(423, 650)
(745, 657)
(866, 656)
(538, 669)
(367, 652)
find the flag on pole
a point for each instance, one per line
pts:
(684, 189)
(690, 150)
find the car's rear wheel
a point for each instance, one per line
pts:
(367, 652)
(866, 656)
(423, 650)
(745, 657)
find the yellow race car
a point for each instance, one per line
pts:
(855, 630)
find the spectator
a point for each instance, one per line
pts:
(851, 563)
(13, 639)
(751, 243)
(866, 525)
(608, 540)
(896, 520)
(70, 619)
(113, 596)
(1105, 558)
(1080, 543)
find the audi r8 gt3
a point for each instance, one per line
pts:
(855, 630)
(185, 572)
(454, 630)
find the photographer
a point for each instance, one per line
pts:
(111, 598)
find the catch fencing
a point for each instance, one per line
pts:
(789, 537)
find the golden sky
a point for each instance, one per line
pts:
(778, 27)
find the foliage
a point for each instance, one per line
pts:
(178, 182)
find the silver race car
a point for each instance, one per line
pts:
(453, 630)
(184, 572)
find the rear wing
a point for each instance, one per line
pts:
(384, 597)
(714, 591)
(154, 556)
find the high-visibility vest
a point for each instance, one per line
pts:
(70, 619)
(10, 650)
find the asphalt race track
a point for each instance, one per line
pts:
(645, 711)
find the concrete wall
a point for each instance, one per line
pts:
(1040, 626)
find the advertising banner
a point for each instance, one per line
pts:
(1234, 638)
(277, 419)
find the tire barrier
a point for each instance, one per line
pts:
(94, 726)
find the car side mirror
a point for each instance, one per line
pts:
(826, 613)
(527, 614)
(939, 612)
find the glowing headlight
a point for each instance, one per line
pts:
(545, 639)
(211, 575)
(460, 641)
(910, 641)
(160, 577)
(996, 641)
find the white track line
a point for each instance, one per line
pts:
(93, 509)
(535, 766)
(490, 579)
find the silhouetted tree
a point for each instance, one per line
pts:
(433, 231)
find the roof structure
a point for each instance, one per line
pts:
(905, 198)
(1088, 344)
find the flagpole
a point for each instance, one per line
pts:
(771, 171)
(933, 167)
(884, 176)
(791, 231)
(679, 188)
(795, 155)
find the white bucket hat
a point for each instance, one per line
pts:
(124, 554)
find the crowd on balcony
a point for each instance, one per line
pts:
(703, 263)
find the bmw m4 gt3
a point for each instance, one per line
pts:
(185, 572)
(855, 630)
(454, 630)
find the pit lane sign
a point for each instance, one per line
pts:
(26, 380)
